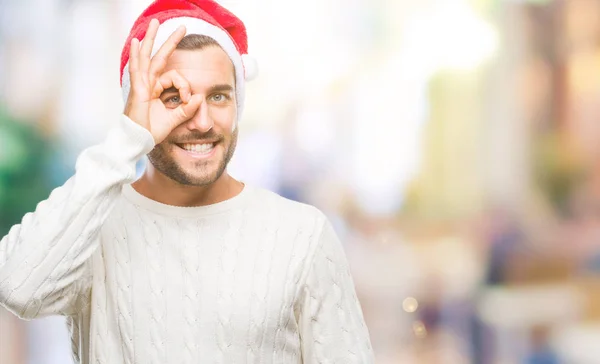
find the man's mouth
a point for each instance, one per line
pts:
(198, 148)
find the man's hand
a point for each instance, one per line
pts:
(144, 105)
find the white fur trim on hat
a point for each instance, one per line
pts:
(250, 67)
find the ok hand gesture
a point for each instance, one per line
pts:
(148, 81)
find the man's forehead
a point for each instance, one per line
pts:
(211, 55)
(204, 65)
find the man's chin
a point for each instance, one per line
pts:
(208, 175)
(201, 181)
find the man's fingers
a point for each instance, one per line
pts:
(157, 91)
(134, 51)
(136, 80)
(147, 44)
(159, 61)
(173, 79)
(185, 111)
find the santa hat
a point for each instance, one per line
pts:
(204, 17)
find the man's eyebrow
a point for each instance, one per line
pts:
(216, 88)
(220, 88)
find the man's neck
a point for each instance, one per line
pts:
(162, 189)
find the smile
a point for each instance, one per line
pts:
(198, 150)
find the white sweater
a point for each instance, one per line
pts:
(254, 279)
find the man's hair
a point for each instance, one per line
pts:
(192, 42)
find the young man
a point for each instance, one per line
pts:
(187, 264)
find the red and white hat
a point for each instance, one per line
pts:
(204, 17)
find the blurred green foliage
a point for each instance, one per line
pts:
(25, 160)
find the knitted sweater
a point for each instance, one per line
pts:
(253, 279)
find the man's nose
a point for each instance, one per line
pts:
(201, 121)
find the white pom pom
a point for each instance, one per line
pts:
(250, 67)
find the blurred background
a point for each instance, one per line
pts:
(454, 143)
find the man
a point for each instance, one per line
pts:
(187, 264)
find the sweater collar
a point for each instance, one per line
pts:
(144, 202)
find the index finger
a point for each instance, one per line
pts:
(176, 80)
(159, 61)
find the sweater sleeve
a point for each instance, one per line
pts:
(331, 323)
(45, 260)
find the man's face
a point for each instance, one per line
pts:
(197, 152)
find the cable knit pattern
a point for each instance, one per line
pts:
(191, 295)
(101, 334)
(259, 291)
(331, 319)
(292, 285)
(265, 287)
(254, 279)
(121, 256)
(156, 278)
(226, 286)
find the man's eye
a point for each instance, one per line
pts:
(173, 100)
(219, 97)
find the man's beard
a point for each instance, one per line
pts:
(166, 164)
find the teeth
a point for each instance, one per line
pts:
(199, 148)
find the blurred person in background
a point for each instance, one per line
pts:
(186, 263)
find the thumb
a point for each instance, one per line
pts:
(187, 110)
